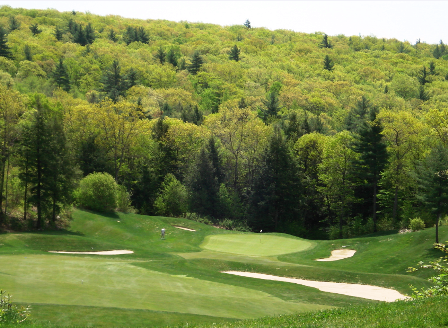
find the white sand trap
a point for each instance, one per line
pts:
(356, 290)
(184, 228)
(116, 252)
(339, 254)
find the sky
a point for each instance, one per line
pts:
(402, 20)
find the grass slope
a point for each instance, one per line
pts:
(179, 280)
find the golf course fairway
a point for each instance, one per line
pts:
(254, 244)
(179, 280)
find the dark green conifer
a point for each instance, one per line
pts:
(112, 35)
(196, 63)
(372, 161)
(432, 68)
(328, 63)
(14, 24)
(60, 76)
(89, 33)
(423, 94)
(161, 55)
(247, 24)
(234, 53)
(35, 29)
(58, 33)
(171, 57)
(5, 51)
(27, 52)
(325, 43)
(423, 76)
(114, 83)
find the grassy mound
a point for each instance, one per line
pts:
(178, 280)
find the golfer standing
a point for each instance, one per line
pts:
(163, 233)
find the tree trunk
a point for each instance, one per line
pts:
(25, 197)
(374, 207)
(6, 189)
(395, 208)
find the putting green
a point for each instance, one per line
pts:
(254, 244)
(88, 281)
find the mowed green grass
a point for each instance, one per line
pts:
(178, 280)
(255, 244)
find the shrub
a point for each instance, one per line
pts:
(440, 280)
(10, 313)
(416, 224)
(196, 217)
(97, 192)
(124, 200)
(172, 198)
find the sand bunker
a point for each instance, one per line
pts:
(339, 254)
(184, 228)
(116, 252)
(356, 290)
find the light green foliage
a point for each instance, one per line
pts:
(405, 86)
(440, 280)
(10, 314)
(173, 198)
(416, 224)
(27, 69)
(97, 192)
(124, 200)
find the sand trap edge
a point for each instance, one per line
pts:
(114, 252)
(338, 254)
(356, 290)
(188, 229)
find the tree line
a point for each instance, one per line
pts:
(275, 131)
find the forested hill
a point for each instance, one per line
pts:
(307, 134)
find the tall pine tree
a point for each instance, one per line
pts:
(373, 158)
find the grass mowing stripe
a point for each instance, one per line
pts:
(107, 283)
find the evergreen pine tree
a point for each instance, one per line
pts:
(203, 186)
(27, 52)
(275, 196)
(325, 43)
(272, 105)
(5, 51)
(196, 63)
(433, 179)
(234, 53)
(171, 57)
(423, 76)
(160, 55)
(372, 161)
(130, 35)
(218, 169)
(112, 35)
(247, 24)
(35, 29)
(141, 35)
(442, 48)
(89, 34)
(432, 68)
(131, 78)
(58, 33)
(328, 63)
(45, 164)
(14, 24)
(60, 76)
(114, 83)
(422, 94)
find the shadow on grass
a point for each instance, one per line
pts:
(111, 214)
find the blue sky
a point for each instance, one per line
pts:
(403, 20)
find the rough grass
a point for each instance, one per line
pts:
(178, 280)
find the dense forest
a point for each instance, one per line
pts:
(314, 135)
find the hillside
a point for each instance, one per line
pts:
(248, 128)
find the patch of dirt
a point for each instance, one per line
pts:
(114, 252)
(356, 290)
(188, 229)
(339, 254)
